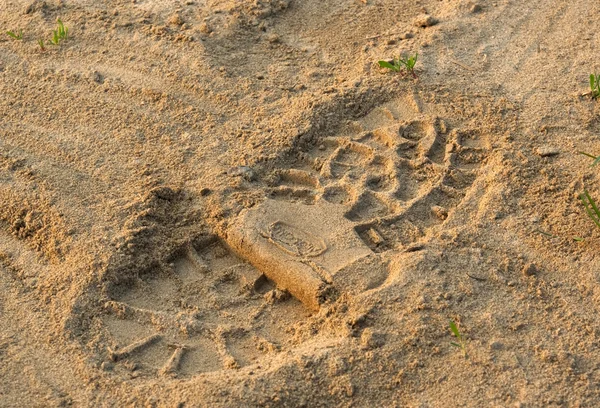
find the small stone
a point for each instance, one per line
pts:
(496, 345)
(475, 8)
(370, 339)
(107, 366)
(547, 151)
(407, 35)
(205, 191)
(530, 269)
(98, 78)
(391, 42)
(425, 20)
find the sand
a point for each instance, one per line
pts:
(228, 203)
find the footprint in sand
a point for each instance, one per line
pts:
(211, 311)
(382, 183)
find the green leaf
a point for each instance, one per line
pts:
(385, 64)
(578, 239)
(545, 233)
(456, 344)
(592, 81)
(591, 207)
(16, 36)
(588, 155)
(454, 329)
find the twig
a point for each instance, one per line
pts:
(477, 278)
(460, 64)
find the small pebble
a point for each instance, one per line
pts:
(107, 366)
(547, 151)
(476, 8)
(98, 78)
(425, 20)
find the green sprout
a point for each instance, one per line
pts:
(590, 207)
(401, 64)
(41, 44)
(461, 344)
(596, 158)
(16, 36)
(60, 34)
(595, 85)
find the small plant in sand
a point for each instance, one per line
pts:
(595, 85)
(590, 207)
(589, 204)
(17, 36)
(596, 158)
(41, 44)
(401, 64)
(60, 34)
(460, 343)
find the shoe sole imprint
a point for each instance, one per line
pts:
(323, 230)
(211, 311)
(383, 184)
